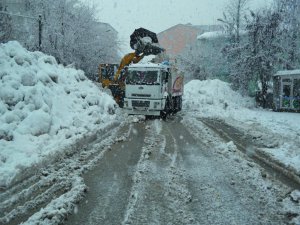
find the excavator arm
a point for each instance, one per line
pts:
(126, 60)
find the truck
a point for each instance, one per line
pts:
(153, 89)
(144, 43)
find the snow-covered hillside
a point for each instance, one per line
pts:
(278, 131)
(44, 107)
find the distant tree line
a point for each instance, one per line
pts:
(253, 47)
(70, 33)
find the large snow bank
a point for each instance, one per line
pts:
(214, 98)
(279, 132)
(43, 107)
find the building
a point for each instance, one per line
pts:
(22, 20)
(106, 27)
(15, 6)
(286, 90)
(177, 38)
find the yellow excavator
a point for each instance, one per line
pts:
(112, 76)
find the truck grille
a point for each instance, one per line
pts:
(136, 103)
(141, 95)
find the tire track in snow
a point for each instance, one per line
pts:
(226, 187)
(159, 194)
(52, 192)
(178, 177)
(110, 180)
(280, 171)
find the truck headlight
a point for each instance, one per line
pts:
(156, 104)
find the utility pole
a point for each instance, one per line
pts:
(40, 32)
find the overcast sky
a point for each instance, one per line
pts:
(158, 15)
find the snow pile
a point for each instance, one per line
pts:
(43, 108)
(213, 98)
(278, 133)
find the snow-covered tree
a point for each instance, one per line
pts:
(204, 59)
(290, 38)
(234, 18)
(235, 21)
(265, 47)
(70, 32)
(192, 62)
(255, 60)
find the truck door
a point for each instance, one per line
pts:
(165, 81)
(286, 90)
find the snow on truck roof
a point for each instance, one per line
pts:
(287, 73)
(148, 65)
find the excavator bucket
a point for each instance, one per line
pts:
(140, 33)
(150, 49)
(145, 41)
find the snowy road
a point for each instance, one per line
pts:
(179, 171)
(69, 156)
(168, 173)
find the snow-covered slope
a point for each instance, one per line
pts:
(278, 131)
(43, 108)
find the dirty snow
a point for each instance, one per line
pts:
(158, 166)
(278, 132)
(44, 107)
(292, 206)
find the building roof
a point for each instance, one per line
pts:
(200, 28)
(106, 27)
(179, 37)
(217, 34)
(287, 72)
(212, 35)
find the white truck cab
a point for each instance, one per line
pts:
(153, 89)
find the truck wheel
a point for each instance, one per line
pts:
(177, 104)
(166, 111)
(163, 115)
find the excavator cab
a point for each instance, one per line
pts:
(106, 73)
(145, 43)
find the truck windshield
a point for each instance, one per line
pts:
(142, 77)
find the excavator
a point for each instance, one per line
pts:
(112, 76)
